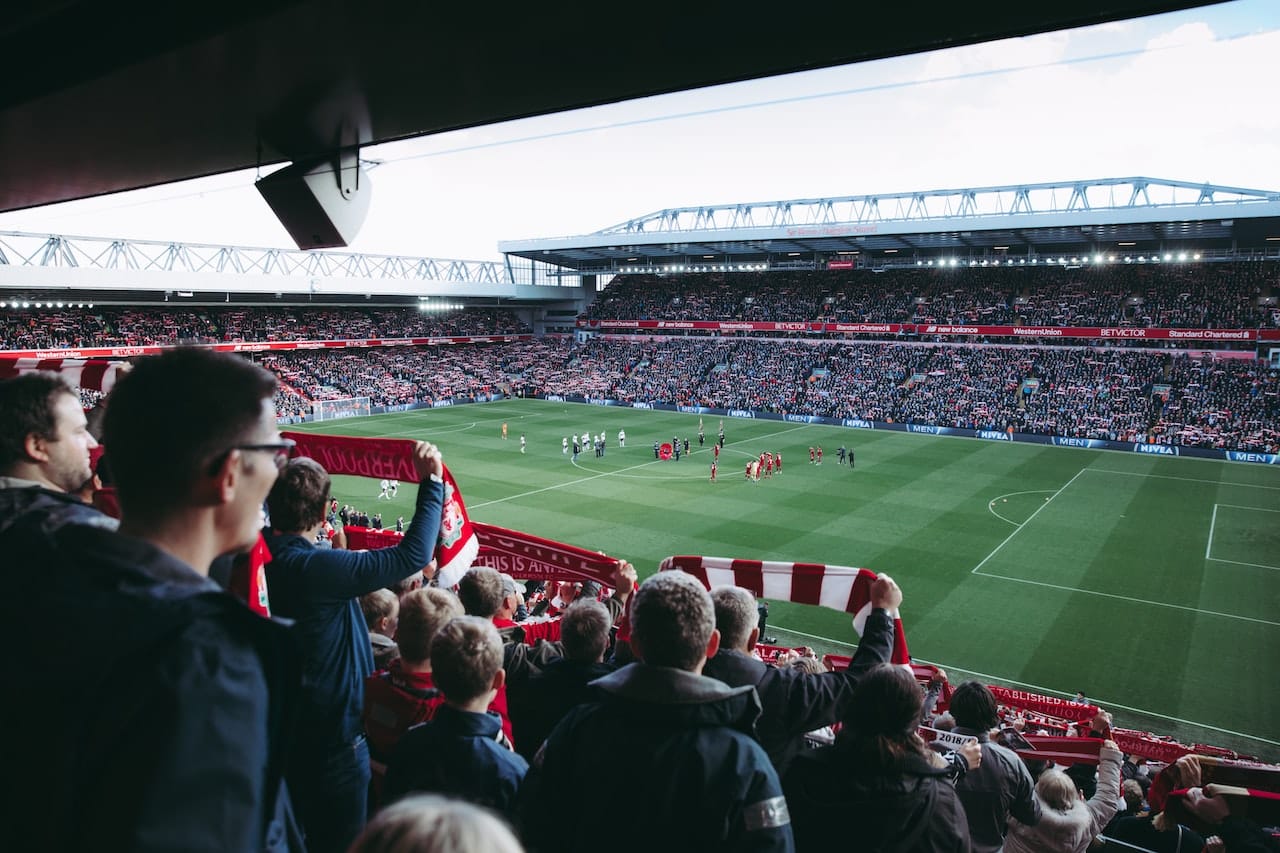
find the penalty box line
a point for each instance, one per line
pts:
(1072, 589)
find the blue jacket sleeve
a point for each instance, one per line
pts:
(344, 575)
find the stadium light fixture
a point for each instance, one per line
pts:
(1142, 259)
(59, 304)
(1097, 259)
(1182, 256)
(1168, 256)
(26, 304)
(1196, 256)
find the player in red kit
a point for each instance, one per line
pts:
(777, 461)
(713, 470)
(819, 454)
(811, 456)
(768, 464)
(715, 448)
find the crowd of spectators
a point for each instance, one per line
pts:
(1234, 296)
(111, 326)
(1118, 394)
(652, 716)
(395, 376)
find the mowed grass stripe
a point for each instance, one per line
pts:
(917, 507)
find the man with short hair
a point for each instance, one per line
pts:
(544, 698)
(681, 741)
(795, 702)
(319, 589)
(1000, 785)
(460, 751)
(44, 453)
(489, 594)
(171, 734)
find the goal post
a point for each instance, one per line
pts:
(347, 407)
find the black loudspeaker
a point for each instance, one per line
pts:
(321, 204)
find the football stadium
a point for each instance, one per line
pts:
(1048, 411)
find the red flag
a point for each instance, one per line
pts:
(838, 587)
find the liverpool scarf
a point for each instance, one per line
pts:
(838, 587)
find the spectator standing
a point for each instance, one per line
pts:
(794, 702)
(1068, 823)
(1000, 785)
(319, 589)
(381, 609)
(190, 695)
(879, 788)
(461, 751)
(681, 741)
(544, 699)
(44, 453)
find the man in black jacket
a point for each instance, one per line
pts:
(168, 731)
(44, 454)
(677, 743)
(544, 698)
(795, 702)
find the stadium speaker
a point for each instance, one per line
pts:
(321, 203)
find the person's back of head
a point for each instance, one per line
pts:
(427, 823)
(974, 706)
(466, 660)
(423, 612)
(480, 591)
(299, 497)
(380, 609)
(1056, 790)
(176, 419)
(673, 622)
(884, 712)
(736, 616)
(44, 435)
(584, 630)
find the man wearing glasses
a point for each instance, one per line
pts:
(320, 589)
(165, 728)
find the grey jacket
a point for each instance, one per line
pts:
(991, 792)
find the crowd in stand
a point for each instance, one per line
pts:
(1115, 394)
(1231, 296)
(109, 326)
(630, 718)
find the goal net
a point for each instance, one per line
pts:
(348, 407)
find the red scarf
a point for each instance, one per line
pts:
(837, 587)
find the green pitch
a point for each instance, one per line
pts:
(1152, 584)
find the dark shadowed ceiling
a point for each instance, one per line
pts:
(98, 97)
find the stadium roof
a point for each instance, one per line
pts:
(889, 229)
(102, 97)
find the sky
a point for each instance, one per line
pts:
(1186, 96)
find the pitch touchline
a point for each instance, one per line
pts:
(1130, 598)
(1040, 689)
(1018, 529)
(610, 473)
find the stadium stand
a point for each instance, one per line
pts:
(1236, 295)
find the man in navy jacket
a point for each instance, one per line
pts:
(319, 589)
